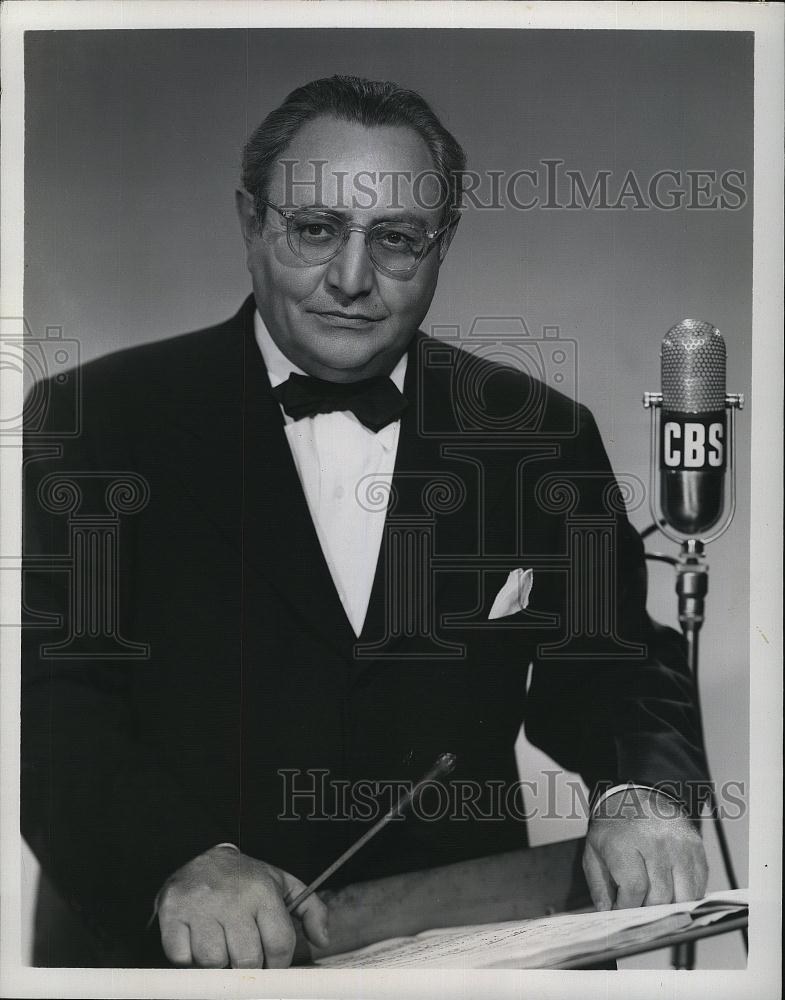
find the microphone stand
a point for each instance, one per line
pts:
(692, 585)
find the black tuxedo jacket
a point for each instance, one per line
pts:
(220, 675)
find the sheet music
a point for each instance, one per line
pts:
(532, 943)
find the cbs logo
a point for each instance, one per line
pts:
(693, 445)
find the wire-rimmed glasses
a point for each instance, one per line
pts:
(396, 248)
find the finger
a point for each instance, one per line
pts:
(208, 944)
(244, 944)
(277, 936)
(598, 878)
(702, 869)
(275, 930)
(176, 942)
(660, 877)
(312, 912)
(689, 879)
(628, 871)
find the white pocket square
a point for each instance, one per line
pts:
(514, 595)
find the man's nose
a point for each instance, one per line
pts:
(351, 271)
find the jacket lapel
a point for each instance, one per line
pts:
(432, 514)
(280, 538)
(233, 459)
(471, 495)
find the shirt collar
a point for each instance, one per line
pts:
(279, 367)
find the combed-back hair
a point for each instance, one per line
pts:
(353, 99)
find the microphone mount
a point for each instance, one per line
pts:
(692, 585)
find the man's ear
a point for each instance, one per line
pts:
(246, 212)
(446, 239)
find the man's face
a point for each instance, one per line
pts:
(343, 320)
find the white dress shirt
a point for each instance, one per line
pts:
(338, 459)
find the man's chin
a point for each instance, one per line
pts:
(350, 369)
(348, 360)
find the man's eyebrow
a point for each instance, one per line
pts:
(399, 216)
(402, 216)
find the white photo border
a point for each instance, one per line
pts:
(760, 979)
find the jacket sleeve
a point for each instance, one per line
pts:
(106, 822)
(620, 719)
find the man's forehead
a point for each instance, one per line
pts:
(346, 164)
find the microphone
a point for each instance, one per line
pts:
(693, 427)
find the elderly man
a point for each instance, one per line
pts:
(341, 572)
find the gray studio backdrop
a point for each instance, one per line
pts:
(133, 142)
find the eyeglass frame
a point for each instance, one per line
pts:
(431, 235)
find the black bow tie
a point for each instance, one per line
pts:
(375, 402)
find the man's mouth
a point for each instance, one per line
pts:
(335, 317)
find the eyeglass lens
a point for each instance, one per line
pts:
(317, 236)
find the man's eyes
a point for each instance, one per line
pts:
(400, 239)
(392, 234)
(317, 224)
(319, 230)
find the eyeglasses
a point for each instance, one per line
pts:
(396, 249)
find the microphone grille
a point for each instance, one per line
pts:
(693, 367)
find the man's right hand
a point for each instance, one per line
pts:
(225, 908)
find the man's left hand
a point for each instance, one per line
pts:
(642, 850)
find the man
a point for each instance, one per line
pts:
(309, 631)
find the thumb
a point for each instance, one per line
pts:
(312, 912)
(598, 878)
